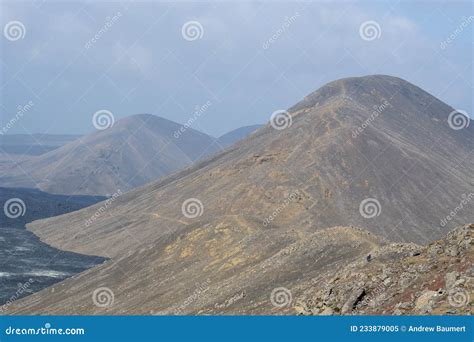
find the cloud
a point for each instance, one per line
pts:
(144, 49)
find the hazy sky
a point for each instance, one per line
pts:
(249, 58)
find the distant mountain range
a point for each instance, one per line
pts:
(280, 210)
(136, 150)
(237, 135)
(34, 144)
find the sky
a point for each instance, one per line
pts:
(63, 61)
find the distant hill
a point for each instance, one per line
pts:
(34, 144)
(134, 151)
(236, 135)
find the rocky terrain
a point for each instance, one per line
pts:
(263, 226)
(229, 266)
(221, 269)
(401, 279)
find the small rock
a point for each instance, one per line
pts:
(425, 302)
(450, 279)
(327, 312)
(434, 250)
(452, 250)
(354, 298)
(404, 305)
(300, 310)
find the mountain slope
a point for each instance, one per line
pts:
(220, 269)
(275, 210)
(236, 135)
(401, 279)
(134, 151)
(408, 159)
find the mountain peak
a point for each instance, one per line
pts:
(356, 88)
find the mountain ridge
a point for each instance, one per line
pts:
(263, 212)
(329, 168)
